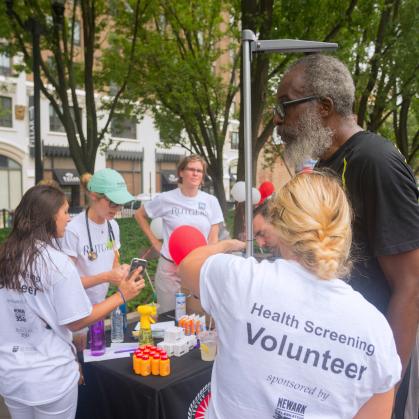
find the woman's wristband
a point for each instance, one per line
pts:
(122, 296)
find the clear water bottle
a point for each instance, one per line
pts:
(123, 308)
(117, 325)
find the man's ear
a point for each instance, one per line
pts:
(326, 106)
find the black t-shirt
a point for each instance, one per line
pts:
(382, 190)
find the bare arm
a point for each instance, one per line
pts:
(190, 267)
(114, 276)
(142, 220)
(213, 234)
(402, 273)
(378, 406)
(130, 288)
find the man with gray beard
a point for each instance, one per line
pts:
(309, 138)
(314, 117)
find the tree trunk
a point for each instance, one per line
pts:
(217, 181)
(375, 62)
(401, 132)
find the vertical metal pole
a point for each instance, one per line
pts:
(149, 187)
(248, 37)
(39, 171)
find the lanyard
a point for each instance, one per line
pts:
(92, 255)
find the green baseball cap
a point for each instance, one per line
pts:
(111, 184)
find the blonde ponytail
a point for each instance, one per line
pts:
(85, 179)
(313, 218)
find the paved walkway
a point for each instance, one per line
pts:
(4, 413)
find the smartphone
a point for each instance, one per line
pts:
(136, 263)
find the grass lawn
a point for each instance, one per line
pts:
(133, 244)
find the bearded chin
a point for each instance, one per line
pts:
(308, 140)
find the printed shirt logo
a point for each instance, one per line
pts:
(20, 315)
(288, 409)
(172, 178)
(201, 205)
(199, 405)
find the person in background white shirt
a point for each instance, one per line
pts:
(294, 340)
(185, 205)
(42, 301)
(92, 238)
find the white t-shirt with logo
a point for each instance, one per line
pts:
(37, 363)
(201, 211)
(76, 244)
(292, 345)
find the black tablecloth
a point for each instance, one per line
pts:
(113, 391)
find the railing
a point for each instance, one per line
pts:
(6, 218)
(124, 213)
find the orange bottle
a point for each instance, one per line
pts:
(145, 366)
(136, 363)
(155, 365)
(164, 366)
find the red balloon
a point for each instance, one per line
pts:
(266, 189)
(183, 240)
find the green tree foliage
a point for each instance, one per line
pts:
(109, 32)
(384, 62)
(377, 40)
(188, 63)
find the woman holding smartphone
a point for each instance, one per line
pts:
(42, 301)
(185, 205)
(92, 237)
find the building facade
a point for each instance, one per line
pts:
(135, 150)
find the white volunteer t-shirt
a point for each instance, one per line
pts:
(201, 211)
(292, 345)
(37, 364)
(76, 244)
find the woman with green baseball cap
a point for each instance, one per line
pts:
(92, 237)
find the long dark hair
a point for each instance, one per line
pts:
(34, 227)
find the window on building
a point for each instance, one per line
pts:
(124, 127)
(234, 140)
(201, 39)
(55, 123)
(113, 88)
(162, 23)
(52, 64)
(6, 115)
(77, 33)
(5, 65)
(233, 111)
(11, 181)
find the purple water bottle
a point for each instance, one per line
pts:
(97, 338)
